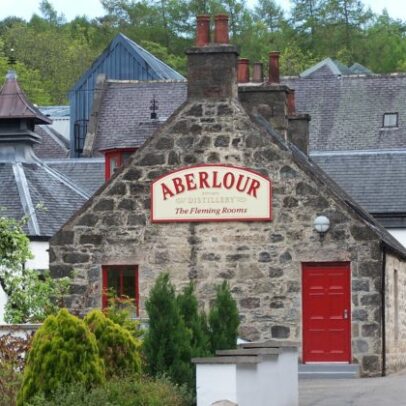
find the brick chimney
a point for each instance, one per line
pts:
(243, 71)
(258, 72)
(274, 67)
(212, 66)
(291, 102)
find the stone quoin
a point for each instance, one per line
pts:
(340, 294)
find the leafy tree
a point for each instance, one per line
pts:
(167, 342)
(63, 351)
(223, 320)
(194, 321)
(32, 297)
(270, 13)
(118, 348)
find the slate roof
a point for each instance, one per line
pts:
(375, 180)
(311, 167)
(39, 192)
(52, 144)
(124, 118)
(88, 174)
(347, 112)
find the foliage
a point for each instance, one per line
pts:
(167, 345)
(127, 391)
(12, 350)
(194, 321)
(14, 244)
(31, 296)
(223, 320)
(118, 311)
(118, 348)
(63, 351)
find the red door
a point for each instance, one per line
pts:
(326, 312)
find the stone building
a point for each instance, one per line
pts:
(221, 191)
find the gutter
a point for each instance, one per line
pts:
(383, 310)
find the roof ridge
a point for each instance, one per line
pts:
(64, 179)
(25, 198)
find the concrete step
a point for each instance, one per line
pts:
(328, 371)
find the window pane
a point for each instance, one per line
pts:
(390, 119)
(114, 164)
(113, 281)
(129, 283)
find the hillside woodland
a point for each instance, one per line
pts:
(50, 53)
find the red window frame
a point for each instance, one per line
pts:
(120, 268)
(116, 154)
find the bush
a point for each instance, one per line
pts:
(128, 391)
(12, 350)
(223, 320)
(196, 322)
(63, 351)
(118, 348)
(167, 343)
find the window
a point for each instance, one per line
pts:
(122, 280)
(114, 159)
(390, 120)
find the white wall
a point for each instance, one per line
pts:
(39, 250)
(399, 234)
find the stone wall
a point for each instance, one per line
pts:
(395, 313)
(261, 260)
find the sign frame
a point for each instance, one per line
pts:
(268, 218)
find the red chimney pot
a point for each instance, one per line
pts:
(243, 71)
(221, 29)
(202, 30)
(258, 72)
(274, 67)
(291, 103)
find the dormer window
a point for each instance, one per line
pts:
(114, 159)
(390, 120)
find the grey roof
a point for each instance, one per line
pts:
(311, 168)
(37, 191)
(124, 119)
(347, 112)
(326, 67)
(88, 174)
(358, 69)
(52, 144)
(55, 111)
(376, 180)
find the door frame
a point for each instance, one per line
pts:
(321, 264)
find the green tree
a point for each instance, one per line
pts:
(167, 345)
(63, 351)
(118, 348)
(270, 13)
(194, 321)
(32, 297)
(223, 320)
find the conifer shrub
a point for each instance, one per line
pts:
(63, 351)
(194, 320)
(119, 349)
(224, 320)
(167, 343)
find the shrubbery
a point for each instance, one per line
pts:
(63, 351)
(126, 391)
(117, 347)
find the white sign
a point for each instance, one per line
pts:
(211, 193)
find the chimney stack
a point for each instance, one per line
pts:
(221, 29)
(291, 103)
(243, 71)
(202, 30)
(274, 67)
(212, 67)
(258, 72)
